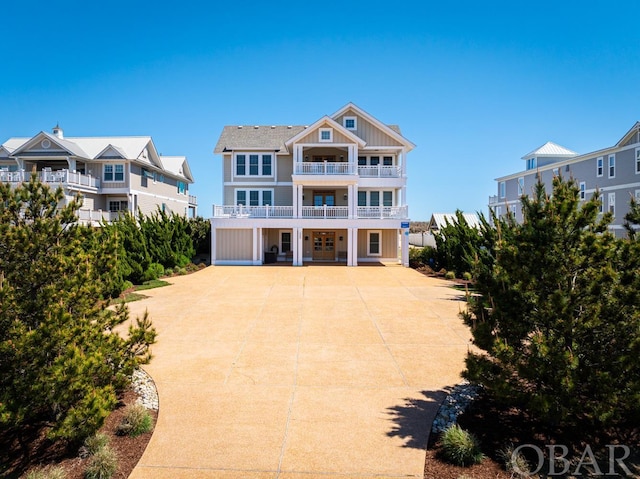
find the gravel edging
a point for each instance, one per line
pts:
(145, 388)
(459, 398)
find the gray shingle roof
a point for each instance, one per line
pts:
(264, 137)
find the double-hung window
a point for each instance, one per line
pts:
(362, 198)
(374, 198)
(254, 197)
(387, 198)
(583, 190)
(375, 160)
(374, 243)
(254, 164)
(611, 203)
(182, 187)
(362, 161)
(612, 166)
(113, 172)
(637, 160)
(521, 186)
(502, 189)
(387, 160)
(599, 166)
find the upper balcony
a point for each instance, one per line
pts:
(493, 199)
(334, 168)
(63, 178)
(324, 212)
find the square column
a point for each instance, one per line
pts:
(213, 243)
(352, 247)
(296, 246)
(404, 247)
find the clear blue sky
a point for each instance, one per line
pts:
(475, 85)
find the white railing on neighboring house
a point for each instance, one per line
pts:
(493, 199)
(380, 171)
(63, 177)
(193, 200)
(324, 168)
(96, 216)
(329, 212)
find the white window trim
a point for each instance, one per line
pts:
(355, 122)
(556, 171)
(104, 167)
(247, 164)
(583, 190)
(611, 203)
(381, 193)
(369, 232)
(502, 189)
(248, 196)
(322, 130)
(609, 166)
(637, 161)
(521, 186)
(599, 161)
(280, 241)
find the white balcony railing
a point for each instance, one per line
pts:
(380, 171)
(62, 177)
(327, 212)
(324, 168)
(398, 212)
(193, 200)
(493, 199)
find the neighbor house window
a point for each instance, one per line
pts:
(374, 161)
(115, 206)
(637, 160)
(612, 166)
(387, 198)
(254, 198)
(350, 122)
(362, 198)
(520, 186)
(611, 203)
(502, 189)
(182, 187)
(326, 134)
(583, 190)
(374, 243)
(362, 161)
(555, 172)
(387, 160)
(241, 198)
(600, 166)
(374, 198)
(267, 198)
(113, 172)
(531, 163)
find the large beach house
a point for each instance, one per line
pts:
(614, 171)
(333, 191)
(112, 173)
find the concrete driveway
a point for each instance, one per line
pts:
(299, 372)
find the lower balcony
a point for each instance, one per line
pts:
(87, 216)
(57, 177)
(325, 212)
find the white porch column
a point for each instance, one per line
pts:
(404, 242)
(350, 201)
(297, 246)
(295, 201)
(298, 213)
(352, 250)
(213, 243)
(72, 164)
(255, 245)
(261, 245)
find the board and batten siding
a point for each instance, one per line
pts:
(314, 137)
(389, 244)
(234, 244)
(369, 132)
(285, 167)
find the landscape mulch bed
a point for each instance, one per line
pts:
(498, 426)
(33, 449)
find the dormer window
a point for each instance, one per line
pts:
(326, 134)
(531, 163)
(350, 122)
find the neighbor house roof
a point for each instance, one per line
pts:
(439, 220)
(551, 149)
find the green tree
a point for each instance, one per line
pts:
(558, 312)
(61, 363)
(132, 259)
(200, 231)
(168, 240)
(457, 244)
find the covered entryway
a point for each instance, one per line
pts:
(324, 245)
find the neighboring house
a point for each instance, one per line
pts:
(439, 220)
(333, 191)
(113, 174)
(614, 171)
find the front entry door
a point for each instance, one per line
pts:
(324, 245)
